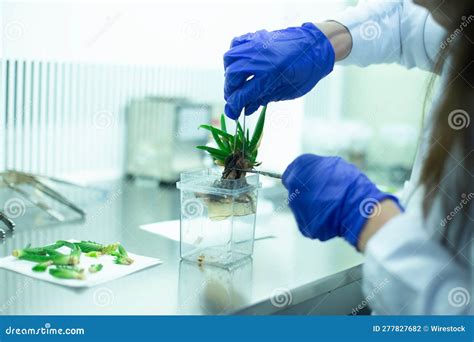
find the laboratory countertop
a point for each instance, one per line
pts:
(285, 271)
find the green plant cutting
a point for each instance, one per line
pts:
(48, 255)
(65, 266)
(121, 256)
(67, 272)
(95, 268)
(235, 152)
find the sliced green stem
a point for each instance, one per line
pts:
(41, 267)
(95, 268)
(121, 257)
(67, 273)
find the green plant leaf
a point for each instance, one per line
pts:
(223, 146)
(95, 268)
(41, 267)
(223, 125)
(257, 133)
(214, 152)
(67, 273)
(216, 133)
(225, 135)
(226, 142)
(254, 155)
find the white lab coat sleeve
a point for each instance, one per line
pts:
(408, 272)
(391, 32)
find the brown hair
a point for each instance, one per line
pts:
(451, 131)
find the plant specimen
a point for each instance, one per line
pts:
(67, 272)
(41, 267)
(121, 256)
(43, 255)
(90, 246)
(64, 266)
(235, 152)
(95, 268)
(93, 254)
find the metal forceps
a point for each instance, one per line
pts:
(12, 179)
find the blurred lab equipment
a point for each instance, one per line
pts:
(32, 189)
(161, 137)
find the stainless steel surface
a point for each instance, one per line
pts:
(289, 264)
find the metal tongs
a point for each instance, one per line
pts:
(263, 173)
(12, 179)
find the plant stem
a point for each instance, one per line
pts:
(67, 273)
(121, 257)
(41, 267)
(95, 268)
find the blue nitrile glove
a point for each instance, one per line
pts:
(331, 197)
(285, 64)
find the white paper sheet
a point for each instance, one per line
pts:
(167, 229)
(109, 272)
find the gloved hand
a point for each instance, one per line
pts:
(285, 64)
(331, 197)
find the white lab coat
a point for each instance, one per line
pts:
(407, 270)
